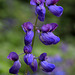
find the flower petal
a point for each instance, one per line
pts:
(27, 26)
(47, 67)
(45, 28)
(56, 39)
(13, 56)
(28, 37)
(45, 39)
(40, 10)
(34, 65)
(15, 68)
(56, 10)
(52, 26)
(51, 2)
(42, 56)
(28, 59)
(27, 49)
(37, 2)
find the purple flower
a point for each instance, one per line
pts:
(53, 8)
(27, 26)
(37, 2)
(40, 10)
(56, 10)
(28, 59)
(49, 27)
(47, 67)
(15, 68)
(34, 65)
(28, 37)
(27, 49)
(45, 39)
(51, 2)
(56, 39)
(13, 56)
(49, 38)
(42, 56)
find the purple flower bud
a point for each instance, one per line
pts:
(42, 56)
(52, 26)
(56, 10)
(27, 26)
(47, 67)
(34, 65)
(15, 68)
(40, 10)
(13, 56)
(28, 59)
(28, 37)
(37, 2)
(49, 38)
(27, 49)
(51, 2)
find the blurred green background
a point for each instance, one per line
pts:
(13, 13)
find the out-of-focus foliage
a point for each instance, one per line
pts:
(13, 13)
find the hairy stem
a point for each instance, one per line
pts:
(34, 31)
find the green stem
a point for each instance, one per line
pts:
(33, 39)
(34, 31)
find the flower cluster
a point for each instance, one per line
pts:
(44, 65)
(29, 58)
(16, 66)
(45, 35)
(52, 7)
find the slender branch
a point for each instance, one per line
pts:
(21, 54)
(34, 31)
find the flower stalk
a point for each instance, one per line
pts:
(34, 30)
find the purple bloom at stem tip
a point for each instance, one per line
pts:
(13, 56)
(15, 68)
(45, 28)
(28, 59)
(47, 67)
